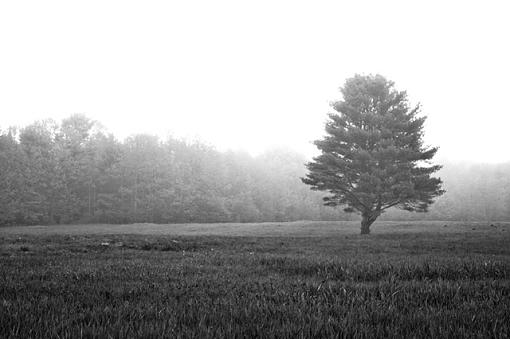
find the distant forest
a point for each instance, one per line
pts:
(76, 172)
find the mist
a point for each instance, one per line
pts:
(76, 171)
(252, 77)
(265, 169)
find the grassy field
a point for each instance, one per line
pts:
(274, 280)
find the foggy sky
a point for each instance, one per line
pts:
(250, 75)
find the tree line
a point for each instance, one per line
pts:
(76, 172)
(474, 192)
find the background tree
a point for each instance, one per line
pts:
(373, 156)
(75, 172)
(42, 184)
(12, 183)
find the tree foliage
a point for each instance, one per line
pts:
(45, 178)
(74, 172)
(373, 156)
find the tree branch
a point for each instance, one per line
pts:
(357, 199)
(390, 205)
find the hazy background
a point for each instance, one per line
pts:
(251, 75)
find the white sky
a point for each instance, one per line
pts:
(250, 75)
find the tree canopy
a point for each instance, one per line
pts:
(74, 172)
(50, 174)
(373, 156)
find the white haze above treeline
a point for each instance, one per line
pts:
(254, 75)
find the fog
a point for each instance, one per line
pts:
(241, 87)
(254, 76)
(74, 171)
(159, 176)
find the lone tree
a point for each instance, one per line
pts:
(373, 156)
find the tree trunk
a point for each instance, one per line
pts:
(367, 219)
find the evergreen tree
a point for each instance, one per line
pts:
(373, 156)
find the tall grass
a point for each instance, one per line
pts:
(119, 286)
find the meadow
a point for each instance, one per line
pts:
(270, 280)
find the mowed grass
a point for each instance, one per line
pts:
(270, 280)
